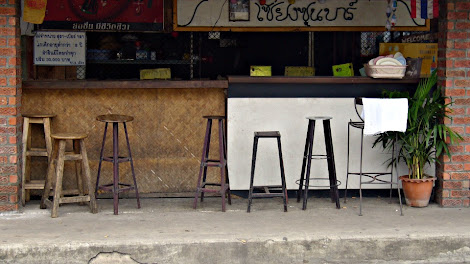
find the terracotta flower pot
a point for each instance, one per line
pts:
(417, 191)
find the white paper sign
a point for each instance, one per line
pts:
(59, 48)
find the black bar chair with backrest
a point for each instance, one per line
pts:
(372, 177)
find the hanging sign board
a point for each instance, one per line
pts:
(298, 15)
(104, 15)
(59, 48)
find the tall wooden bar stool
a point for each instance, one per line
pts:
(116, 187)
(28, 152)
(220, 163)
(55, 174)
(307, 162)
(267, 188)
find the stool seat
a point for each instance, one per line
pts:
(113, 118)
(319, 118)
(35, 115)
(214, 117)
(70, 136)
(267, 134)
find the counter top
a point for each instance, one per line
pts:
(124, 84)
(317, 80)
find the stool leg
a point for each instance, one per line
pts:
(202, 168)
(115, 168)
(132, 166)
(223, 163)
(253, 163)
(331, 163)
(226, 166)
(47, 134)
(59, 174)
(360, 173)
(86, 170)
(78, 172)
(283, 176)
(26, 128)
(304, 162)
(311, 125)
(208, 148)
(347, 166)
(101, 159)
(49, 176)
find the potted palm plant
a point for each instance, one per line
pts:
(424, 140)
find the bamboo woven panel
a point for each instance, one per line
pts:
(166, 135)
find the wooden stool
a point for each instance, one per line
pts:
(56, 162)
(115, 187)
(307, 161)
(267, 189)
(28, 152)
(221, 163)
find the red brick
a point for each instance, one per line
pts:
(12, 100)
(462, 25)
(12, 121)
(12, 140)
(466, 202)
(3, 198)
(445, 176)
(452, 185)
(462, 83)
(7, 111)
(8, 71)
(458, 194)
(14, 61)
(456, 54)
(462, 6)
(450, 25)
(461, 158)
(8, 169)
(462, 45)
(451, 203)
(467, 148)
(456, 35)
(13, 41)
(455, 73)
(3, 180)
(455, 92)
(13, 198)
(445, 193)
(3, 81)
(8, 207)
(7, 31)
(462, 63)
(13, 159)
(3, 42)
(460, 175)
(13, 178)
(457, 101)
(8, 189)
(7, 51)
(13, 81)
(13, 21)
(8, 130)
(3, 20)
(456, 149)
(450, 6)
(7, 11)
(457, 120)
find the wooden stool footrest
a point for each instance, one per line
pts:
(213, 163)
(36, 152)
(266, 195)
(34, 185)
(213, 190)
(74, 199)
(109, 187)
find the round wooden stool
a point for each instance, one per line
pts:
(28, 152)
(56, 162)
(116, 187)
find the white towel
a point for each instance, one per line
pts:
(382, 115)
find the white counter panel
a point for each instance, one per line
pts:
(288, 116)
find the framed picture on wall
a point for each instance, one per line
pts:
(239, 10)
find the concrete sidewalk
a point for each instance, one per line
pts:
(168, 230)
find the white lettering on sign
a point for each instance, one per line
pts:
(59, 48)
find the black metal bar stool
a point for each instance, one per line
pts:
(267, 188)
(55, 173)
(307, 162)
(371, 177)
(116, 187)
(220, 163)
(28, 152)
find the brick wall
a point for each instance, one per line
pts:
(454, 73)
(10, 100)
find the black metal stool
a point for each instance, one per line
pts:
(267, 134)
(307, 161)
(115, 187)
(221, 163)
(372, 177)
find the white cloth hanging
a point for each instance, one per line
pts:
(382, 115)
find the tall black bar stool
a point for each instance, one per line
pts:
(221, 163)
(267, 188)
(307, 162)
(116, 187)
(372, 177)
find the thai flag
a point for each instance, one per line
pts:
(424, 9)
